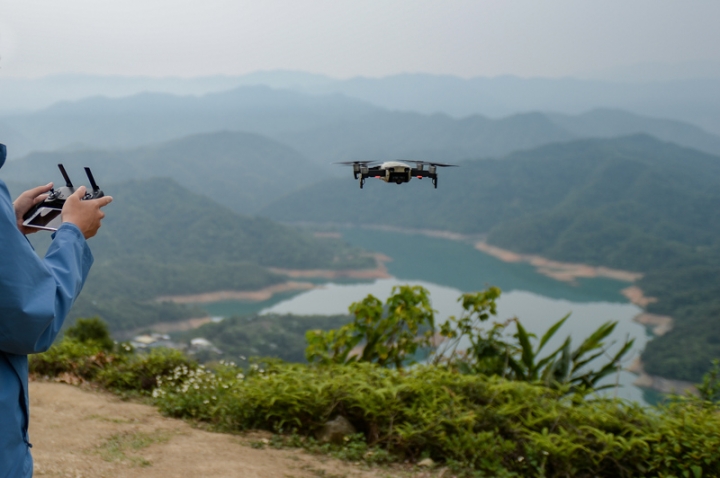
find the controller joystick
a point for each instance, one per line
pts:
(47, 214)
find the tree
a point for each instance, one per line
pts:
(388, 334)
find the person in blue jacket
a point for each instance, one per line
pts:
(35, 296)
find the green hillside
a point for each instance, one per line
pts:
(242, 171)
(161, 239)
(609, 123)
(633, 203)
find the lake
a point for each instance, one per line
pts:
(448, 268)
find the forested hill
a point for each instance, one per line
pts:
(161, 239)
(633, 203)
(242, 171)
(643, 186)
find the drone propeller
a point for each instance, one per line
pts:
(431, 163)
(364, 163)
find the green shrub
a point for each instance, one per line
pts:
(473, 421)
(388, 334)
(140, 372)
(477, 424)
(92, 330)
(491, 353)
(83, 360)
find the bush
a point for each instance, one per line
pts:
(91, 331)
(472, 421)
(87, 353)
(139, 372)
(477, 424)
(83, 360)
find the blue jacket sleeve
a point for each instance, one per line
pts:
(36, 294)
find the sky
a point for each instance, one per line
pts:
(346, 38)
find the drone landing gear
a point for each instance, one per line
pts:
(362, 181)
(435, 182)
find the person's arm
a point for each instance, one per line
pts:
(36, 294)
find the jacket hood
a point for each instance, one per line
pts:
(3, 154)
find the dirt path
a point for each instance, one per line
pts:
(79, 433)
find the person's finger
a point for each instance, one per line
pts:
(36, 191)
(103, 201)
(40, 198)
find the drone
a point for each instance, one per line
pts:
(397, 172)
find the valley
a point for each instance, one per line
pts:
(195, 211)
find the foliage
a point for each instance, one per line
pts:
(388, 334)
(83, 360)
(709, 389)
(391, 334)
(91, 331)
(139, 372)
(476, 424)
(488, 352)
(80, 355)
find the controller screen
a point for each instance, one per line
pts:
(45, 218)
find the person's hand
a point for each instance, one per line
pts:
(26, 201)
(85, 214)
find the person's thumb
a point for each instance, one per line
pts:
(79, 192)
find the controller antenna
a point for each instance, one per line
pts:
(68, 183)
(94, 185)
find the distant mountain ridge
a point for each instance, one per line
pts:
(324, 128)
(694, 99)
(609, 123)
(242, 171)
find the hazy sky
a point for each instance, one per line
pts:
(344, 38)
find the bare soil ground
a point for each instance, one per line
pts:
(84, 433)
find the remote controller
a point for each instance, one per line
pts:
(47, 214)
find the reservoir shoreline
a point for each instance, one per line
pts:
(560, 271)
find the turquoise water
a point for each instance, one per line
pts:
(449, 268)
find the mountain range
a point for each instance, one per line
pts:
(687, 92)
(325, 128)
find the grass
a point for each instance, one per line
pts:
(123, 447)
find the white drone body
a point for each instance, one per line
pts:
(396, 172)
